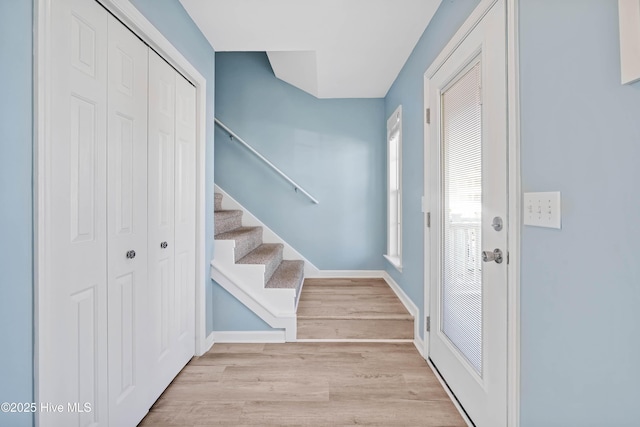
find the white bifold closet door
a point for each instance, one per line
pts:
(72, 349)
(127, 286)
(171, 221)
(116, 310)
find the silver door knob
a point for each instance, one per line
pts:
(495, 255)
(164, 245)
(131, 254)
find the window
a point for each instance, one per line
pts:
(394, 189)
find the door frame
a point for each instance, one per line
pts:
(514, 192)
(139, 25)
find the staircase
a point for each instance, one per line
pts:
(255, 272)
(342, 309)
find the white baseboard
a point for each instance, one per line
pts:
(255, 337)
(411, 307)
(208, 342)
(419, 343)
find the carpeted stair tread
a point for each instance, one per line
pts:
(227, 220)
(289, 275)
(247, 239)
(217, 205)
(269, 254)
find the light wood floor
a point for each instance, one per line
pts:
(306, 384)
(351, 309)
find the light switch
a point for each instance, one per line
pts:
(542, 209)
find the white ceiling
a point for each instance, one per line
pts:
(329, 48)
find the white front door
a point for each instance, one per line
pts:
(468, 151)
(128, 314)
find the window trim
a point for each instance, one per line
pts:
(394, 124)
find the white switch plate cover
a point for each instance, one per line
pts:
(542, 209)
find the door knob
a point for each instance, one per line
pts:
(495, 255)
(131, 254)
(164, 245)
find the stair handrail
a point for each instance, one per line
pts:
(235, 136)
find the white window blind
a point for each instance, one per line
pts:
(462, 215)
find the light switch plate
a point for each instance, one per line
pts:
(542, 209)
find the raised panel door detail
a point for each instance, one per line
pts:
(165, 178)
(126, 75)
(166, 105)
(166, 298)
(183, 277)
(124, 174)
(82, 150)
(83, 46)
(125, 288)
(183, 166)
(86, 362)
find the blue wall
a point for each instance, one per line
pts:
(334, 148)
(176, 25)
(580, 285)
(16, 246)
(408, 91)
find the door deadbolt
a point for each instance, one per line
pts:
(497, 223)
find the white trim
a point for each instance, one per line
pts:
(394, 261)
(41, 194)
(248, 337)
(514, 196)
(515, 227)
(268, 235)
(472, 21)
(411, 307)
(420, 346)
(209, 343)
(394, 124)
(275, 306)
(451, 396)
(136, 22)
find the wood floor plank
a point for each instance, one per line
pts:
(355, 329)
(337, 308)
(306, 384)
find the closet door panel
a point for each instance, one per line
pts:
(161, 164)
(185, 216)
(127, 225)
(73, 344)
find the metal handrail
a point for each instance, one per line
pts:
(296, 187)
